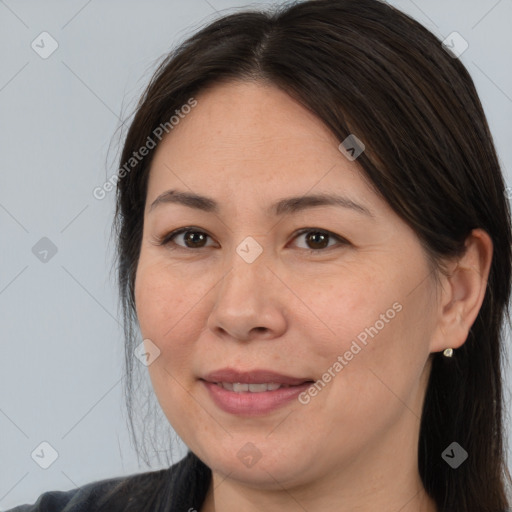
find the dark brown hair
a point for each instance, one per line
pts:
(365, 68)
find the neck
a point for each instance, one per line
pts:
(392, 490)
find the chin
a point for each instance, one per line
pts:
(260, 464)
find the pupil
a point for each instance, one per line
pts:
(191, 237)
(311, 239)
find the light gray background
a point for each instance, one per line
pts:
(60, 330)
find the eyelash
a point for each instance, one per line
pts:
(168, 239)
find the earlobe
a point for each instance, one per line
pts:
(463, 292)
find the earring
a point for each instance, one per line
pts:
(448, 352)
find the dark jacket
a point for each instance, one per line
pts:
(180, 488)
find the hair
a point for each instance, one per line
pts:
(365, 68)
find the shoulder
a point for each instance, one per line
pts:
(88, 497)
(154, 490)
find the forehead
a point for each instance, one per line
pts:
(251, 138)
(241, 118)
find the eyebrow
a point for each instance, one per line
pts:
(286, 206)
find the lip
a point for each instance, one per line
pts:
(248, 403)
(253, 377)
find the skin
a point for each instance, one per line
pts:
(354, 445)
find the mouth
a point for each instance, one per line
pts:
(257, 377)
(252, 393)
(241, 387)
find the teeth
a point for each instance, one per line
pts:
(239, 387)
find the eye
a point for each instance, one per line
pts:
(192, 236)
(319, 239)
(195, 239)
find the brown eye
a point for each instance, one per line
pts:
(192, 238)
(318, 240)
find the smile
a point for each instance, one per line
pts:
(240, 387)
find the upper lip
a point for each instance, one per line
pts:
(252, 377)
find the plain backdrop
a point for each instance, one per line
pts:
(61, 341)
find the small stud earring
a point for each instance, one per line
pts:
(448, 352)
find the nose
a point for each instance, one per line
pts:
(249, 302)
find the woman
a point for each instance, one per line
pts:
(314, 239)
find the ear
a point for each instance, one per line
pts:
(462, 292)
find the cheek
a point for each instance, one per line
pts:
(380, 374)
(165, 312)
(165, 301)
(345, 306)
(376, 337)
(165, 316)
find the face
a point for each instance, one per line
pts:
(337, 297)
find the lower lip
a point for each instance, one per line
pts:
(253, 404)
